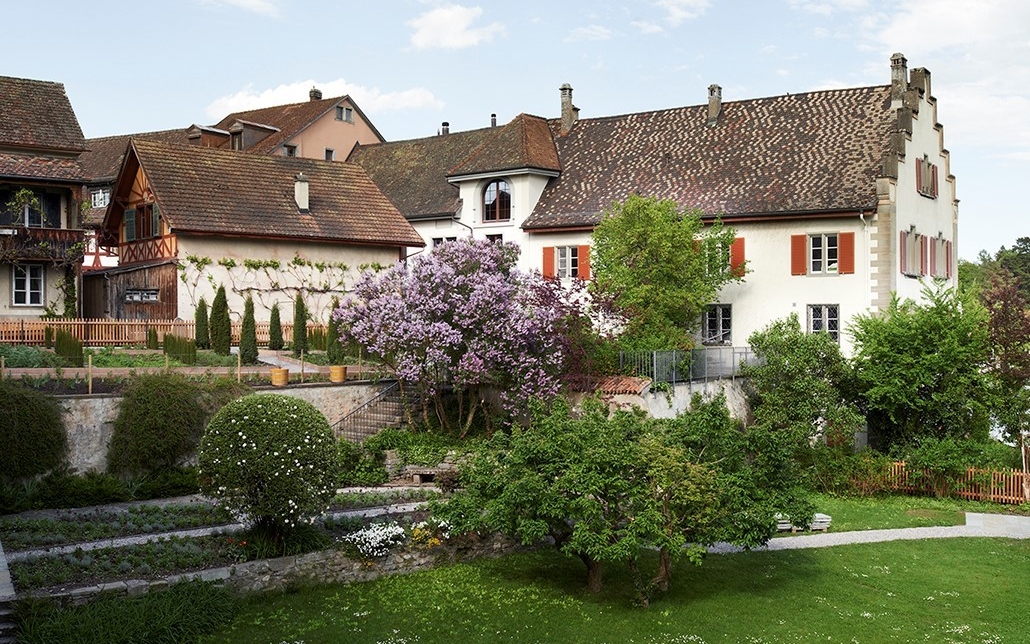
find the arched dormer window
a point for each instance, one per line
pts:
(497, 201)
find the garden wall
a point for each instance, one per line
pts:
(90, 419)
(661, 404)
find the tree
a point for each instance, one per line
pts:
(275, 329)
(300, 326)
(248, 334)
(202, 334)
(221, 325)
(334, 352)
(800, 382)
(464, 316)
(922, 368)
(1016, 260)
(660, 266)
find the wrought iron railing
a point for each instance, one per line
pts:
(385, 409)
(705, 363)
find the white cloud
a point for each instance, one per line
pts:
(450, 26)
(647, 28)
(828, 7)
(676, 11)
(371, 99)
(591, 32)
(262, 7)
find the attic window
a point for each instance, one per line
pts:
(236, 140)
(344, 114)
(497, 201)
(330, 154)
(289, 150)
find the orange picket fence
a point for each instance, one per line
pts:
(997, 486)
(121, 333)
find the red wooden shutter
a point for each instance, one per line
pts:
(903, 252)
(798, 254)
(934, 179)
(846, 253)
(933, 258)
(737, 257)
(548, 263)
(584, 262)
(922, 254)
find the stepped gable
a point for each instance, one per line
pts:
(817, 151)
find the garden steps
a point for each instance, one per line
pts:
(8, 627)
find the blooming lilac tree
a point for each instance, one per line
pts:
(460, 315)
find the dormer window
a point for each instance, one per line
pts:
(236, 140)
(497, 201)
(289, 150)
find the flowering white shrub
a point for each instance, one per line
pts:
(271, 459)
(375, 541)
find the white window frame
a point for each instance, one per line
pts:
(717, 325)
(289, 150)
(142, 295)
(330, 154)
(439, 241)
(29, 282)
(566, 262)
(100, 197)
(824, 256)
(824, 317)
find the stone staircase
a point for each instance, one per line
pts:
(385, 410)
(8, 627)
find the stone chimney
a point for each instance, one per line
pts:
(445, 128)
(714, 104)
(899, 79)
(315, 94)
(569, 112)
(300, 191)
(493, 120)
(919, 79)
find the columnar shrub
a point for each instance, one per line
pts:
(32, 428)
(270, 459)
(248, 334)
(182, 349)
(152, 338)
(300, 325)
(275, 329)
(69, 348)
(202, 335)
(221, 326)
(333, 347)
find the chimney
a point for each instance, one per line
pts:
(445, 128)
(919, 79)
(899, 79)
(714, 104)
(315, 94)
(300, 191)
(569, 112)
(493, 120)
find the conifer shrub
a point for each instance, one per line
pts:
(300, 326)
(152, 338)
(48, 337)
(32, 431)
(221, 325)
(270, 459)
(161, 419)
(248, 334)
(275, 329)
(182, 349)
(202, 335)
(316, 339)
(69, 348)
(334, 351)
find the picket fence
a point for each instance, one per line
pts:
(121, 333)
(998, 486)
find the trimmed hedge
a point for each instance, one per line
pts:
(33, 433)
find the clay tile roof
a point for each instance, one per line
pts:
(37, 114)
(413, 174)
(525, 142)
(25, 166)
(819, 151)
(205, 190)
(103, 156)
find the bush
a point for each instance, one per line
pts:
(936, 464)
(160, 421)
(316, 339)
(271, 459)
(275, 329)
(202, 334)
(32, 431)
(48, 337)
(359, 467)
(221, 325)
(66, 490)
(334, 349)
(182, 349)
(69, 348)
(840, 471)
(152, 338)
(300, 326)
(248, 334)
(22, 356)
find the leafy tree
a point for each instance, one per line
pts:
(461, 315)
(300, 325)
(659, 266)
(800, 382)
(334, 352)
(221, 325)
(203, 335)
(248, 334)
(922, 368)
(1016, 260)
(275, 329)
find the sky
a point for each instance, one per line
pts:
(131, 66)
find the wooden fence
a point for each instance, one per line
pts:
(998, 486)
(122, 333)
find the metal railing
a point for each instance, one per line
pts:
(385, 409)
(702, 364)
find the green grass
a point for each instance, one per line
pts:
(948, 590)
(108, 357)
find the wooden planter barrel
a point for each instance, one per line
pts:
(337, 373)
(280, 376)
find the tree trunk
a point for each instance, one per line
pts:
(593, 573)
(664, 574)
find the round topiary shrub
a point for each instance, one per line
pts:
(32, 431)
(270, 459)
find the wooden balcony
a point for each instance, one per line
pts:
(146, 250)
(60, 245)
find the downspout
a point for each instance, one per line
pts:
(868, 259)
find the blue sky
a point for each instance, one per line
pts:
(131, 66)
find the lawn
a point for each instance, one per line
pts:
(948, 590)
